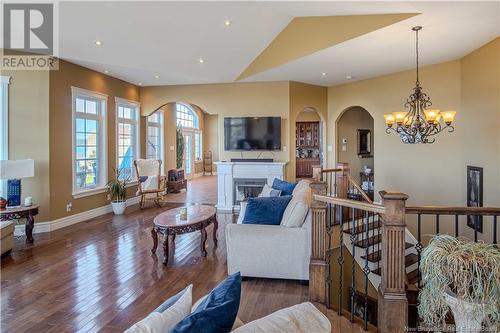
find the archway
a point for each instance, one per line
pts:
(355, 142)
(308, 142)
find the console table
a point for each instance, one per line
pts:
(22, 213)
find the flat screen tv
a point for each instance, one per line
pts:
(252, 133)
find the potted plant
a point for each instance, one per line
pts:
(117, 191)
(463, 276)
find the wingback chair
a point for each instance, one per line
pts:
(151, 182)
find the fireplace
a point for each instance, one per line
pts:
(245, 188)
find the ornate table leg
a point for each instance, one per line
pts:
(30, 221)
(154, 235)
(165, 249)
(203, 241)
(173, 238)
(216, 226)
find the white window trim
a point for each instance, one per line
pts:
(160, 125)
(195, 117)
(4, 126)
(103, 164)
(126, 102)
(4, 117)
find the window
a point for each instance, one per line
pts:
(4, 126)
(127, 137)
(197, 146)
(89, 141)
(154, 149)
(186, 117)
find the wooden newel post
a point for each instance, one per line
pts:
(392, 301)
(342, 189)
(319, 243)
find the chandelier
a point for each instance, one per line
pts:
(419, 124)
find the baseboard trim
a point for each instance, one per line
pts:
(41, 227)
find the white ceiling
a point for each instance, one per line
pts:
(144, 39)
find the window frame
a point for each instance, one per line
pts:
(102, 99)
(190, 111)
(137, 122)
(4, 125)
(160, 126)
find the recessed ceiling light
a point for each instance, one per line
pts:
(98, 43)
(349, 77)
(227, 22)
(106, 71)
(201, 60)
(140, 83)
(323, 74)
(157, 76)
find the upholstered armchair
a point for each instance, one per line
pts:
(151, 182)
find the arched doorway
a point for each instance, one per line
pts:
(308, 142)
(355, 139)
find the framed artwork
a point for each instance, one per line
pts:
(475, 196)
(364, 142)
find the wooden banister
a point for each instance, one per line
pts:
(451, 210)
(392, 301)
(319, 243)
(360, 205)
(360, 190)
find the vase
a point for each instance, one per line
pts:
(468, 316)
(119, 207)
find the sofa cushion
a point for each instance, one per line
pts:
(237, 321)
(300, 318)
(217, 312)
(285, 187)
(243, 209)
(266, 210)
(167, 315)
(268, 191)
(296, 211)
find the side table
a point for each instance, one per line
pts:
(22, 213)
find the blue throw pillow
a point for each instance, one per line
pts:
(266, 210)
(285, 187)
(217, 313)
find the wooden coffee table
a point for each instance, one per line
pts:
(169, 223)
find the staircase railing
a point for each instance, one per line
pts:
(335, 214)
(451, 220)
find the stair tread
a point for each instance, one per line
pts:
(377, 256)
(410, 259)
(375, 240)
(412, 277)
(360, 228)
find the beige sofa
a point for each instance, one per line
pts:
(7, 236)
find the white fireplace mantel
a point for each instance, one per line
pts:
(227, 172)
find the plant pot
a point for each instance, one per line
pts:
(468, 316)
(119, 207)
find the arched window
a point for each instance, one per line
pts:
(186, 117)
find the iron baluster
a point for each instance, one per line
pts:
(328, 257)
(437, 224)
(366, 270)
(419, 246)
(352, 290)
(341, 260)
(495, 229)
(456, 225)
(476, 226)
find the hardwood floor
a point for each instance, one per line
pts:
(100, 275)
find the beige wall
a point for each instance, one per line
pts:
(304, 96)
(434, 174)
(61, 82)
(347, 127)
(480, 141)
(211, 136)
(235, 99)
(29, 131)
